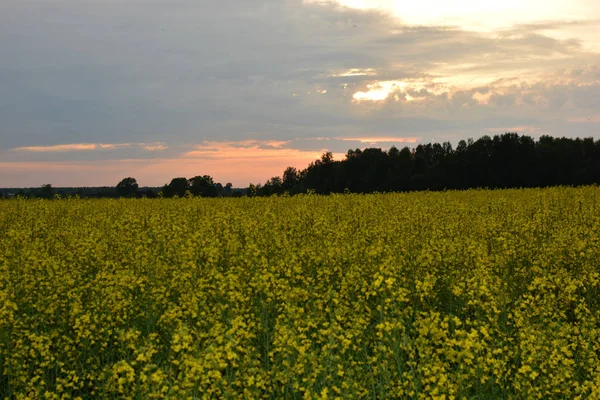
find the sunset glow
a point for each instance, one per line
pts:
(356, 72)
(379, 91)
(473, 14)
(236, 162)
(60, 147)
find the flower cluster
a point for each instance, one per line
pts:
(473, 294)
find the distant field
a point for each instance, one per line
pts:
(476, 294)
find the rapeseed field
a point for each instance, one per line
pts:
(476, 294)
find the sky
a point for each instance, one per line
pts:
(92, 91)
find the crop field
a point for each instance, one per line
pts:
(475, 294)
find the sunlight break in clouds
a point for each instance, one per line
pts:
(409, 90)
(356, 72)
(473, 14)
(379, 91)
(543, 33)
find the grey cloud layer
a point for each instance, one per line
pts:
(182, 72)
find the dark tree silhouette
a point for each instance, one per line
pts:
(271, 187)
(46, 191)
(203, 186)
(177, 187)
(504, 161)
(290, 178)
(128, 187)
(252, 190)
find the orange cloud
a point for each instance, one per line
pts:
(519, 129)
(89, 147)
(113, 145)
(387, 139)
(59, 147)
(250, 149)
(155, 146)
(356, 72)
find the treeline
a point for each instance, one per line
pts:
(203, 186)
(48, 191)
(504, 161)
(198, 186)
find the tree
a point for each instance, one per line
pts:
(272, 186)
(327, 158)
(219, 189)
(203, 186)
(46, 191)
(148, 194)
(128, 187)
(290, 178)
(177, 187)
(252, 190)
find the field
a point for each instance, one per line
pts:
(474, 294)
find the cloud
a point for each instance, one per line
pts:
(89, 147)
(155, 147)
(166, 76)
(252, 150)
(473, 14)
(584, 120)
(522, 129)
(375, 140)
(60, 148)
